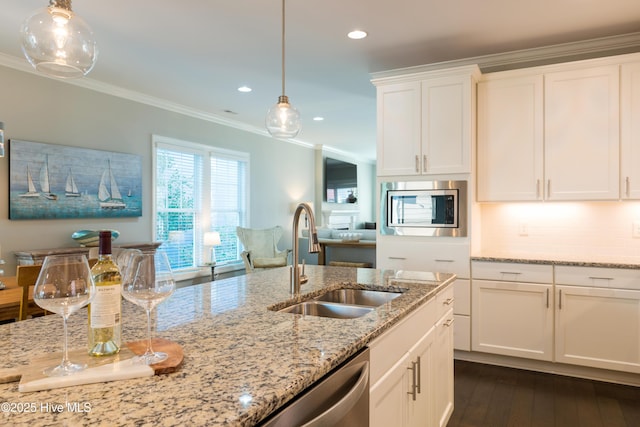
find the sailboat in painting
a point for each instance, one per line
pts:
(108, 192)
(31, 192)
(70, 188)
(44, 182)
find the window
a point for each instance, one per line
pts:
(198, 189)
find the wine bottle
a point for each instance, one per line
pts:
(105, 328)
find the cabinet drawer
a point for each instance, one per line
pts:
(405, 253)
(445, 300)
(512, 272)
(619, 278)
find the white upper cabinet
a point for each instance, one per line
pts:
(630, 131)
(398, 129)
(426, 122)
(581, 132)
(510, 138)
(553, 133)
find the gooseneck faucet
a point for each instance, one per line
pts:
(314, 246)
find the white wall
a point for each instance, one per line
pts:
(34, 108)
(590, 231)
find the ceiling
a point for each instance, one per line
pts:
(196, 53)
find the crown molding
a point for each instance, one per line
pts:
(585, 49)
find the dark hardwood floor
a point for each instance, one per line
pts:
(492, 396)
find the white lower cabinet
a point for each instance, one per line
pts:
(512, 312)
(443, 369)
(598, 317)
(415, 387)
(514, 319)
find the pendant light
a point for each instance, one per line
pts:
(57, 42)
(283, 121)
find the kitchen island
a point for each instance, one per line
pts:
(242, 360)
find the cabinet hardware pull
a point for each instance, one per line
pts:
(627, 186)
(397, 257)
(448, 323)
(424, 163)
(600, 278)
(548, 188)
(414, 386)
(537, 189)
(448, 301)
(417, 164)
(444, 260)
(560, 299)
(510, 272)
(419, 380)
(547, 298)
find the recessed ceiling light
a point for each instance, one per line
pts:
(244, 89)
(318, 119)
(357, 34)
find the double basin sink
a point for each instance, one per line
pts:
(342, 303)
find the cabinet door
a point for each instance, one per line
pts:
(598, 327)
(514, 319)
(582, 122)
(630, 131)
(398, 148)
(388, 398)
(510, 144)
(446, 125)
(443, 369)
(421, 407)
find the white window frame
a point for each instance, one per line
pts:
(204, 203)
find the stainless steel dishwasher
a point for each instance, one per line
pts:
(340, 399)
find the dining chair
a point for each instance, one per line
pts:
(26, 276)
(10, 303)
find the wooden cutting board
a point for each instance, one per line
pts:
(173, 350)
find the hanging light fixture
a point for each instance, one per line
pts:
(57, 42)
(283, 121)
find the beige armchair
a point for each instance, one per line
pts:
(261, 248)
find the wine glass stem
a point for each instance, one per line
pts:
(65, 352)
(149, 349)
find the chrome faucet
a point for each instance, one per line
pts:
(314, 246)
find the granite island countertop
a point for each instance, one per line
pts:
(242, 360)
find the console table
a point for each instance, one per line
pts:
(324, 243)
(36, 256)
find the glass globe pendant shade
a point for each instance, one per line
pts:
(283, 121)
(57, 42)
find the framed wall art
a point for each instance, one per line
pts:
(48, 181)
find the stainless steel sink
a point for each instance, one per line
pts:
(358, 297)
(327, 309)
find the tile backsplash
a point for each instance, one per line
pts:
(591, 230)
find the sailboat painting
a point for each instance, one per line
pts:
(48, 181)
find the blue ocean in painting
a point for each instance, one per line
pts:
(53, 181)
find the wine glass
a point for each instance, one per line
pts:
(64, 286)
(147, 282)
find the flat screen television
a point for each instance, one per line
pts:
(340, 181)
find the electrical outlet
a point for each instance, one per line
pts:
(636, 229)
(523, 229)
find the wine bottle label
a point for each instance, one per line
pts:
(105, 307)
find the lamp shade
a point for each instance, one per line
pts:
(211, 238)
(58, 42)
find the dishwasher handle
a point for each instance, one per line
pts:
(336, 412)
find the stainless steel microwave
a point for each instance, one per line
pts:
(424, 208)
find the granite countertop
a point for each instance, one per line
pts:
(581, 261)
(242, 361)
